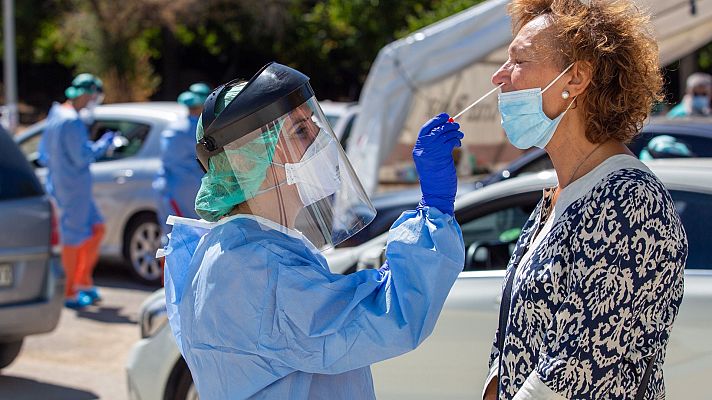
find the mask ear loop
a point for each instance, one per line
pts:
(283, 166)
(274, 177)
(557, 78)
(554, 81)
(277, 187)
(280, 201)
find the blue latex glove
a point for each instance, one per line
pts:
(104, 144)
(108, 136)
(432, 155)
(106, 139)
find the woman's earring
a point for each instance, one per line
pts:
(565, 94)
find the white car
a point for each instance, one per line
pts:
(452, 363)
(123, 179)
(341, 116)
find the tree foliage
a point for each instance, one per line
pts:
(136, 46)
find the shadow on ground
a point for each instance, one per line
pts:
(16, 388)
(111, 315)
(114, 274)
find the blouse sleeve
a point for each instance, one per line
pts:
(620, 308)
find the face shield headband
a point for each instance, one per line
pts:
(233, 123)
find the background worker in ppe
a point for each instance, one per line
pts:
(254, 308)
(665, 146)
(178, 178)
(697, 98)
(67, 152)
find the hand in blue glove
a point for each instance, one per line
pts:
(104, 145)
(432, 155)
(107, 137)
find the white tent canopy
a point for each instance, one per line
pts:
(445, 66)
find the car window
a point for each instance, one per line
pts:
(491, 230)
(695, 211)
(332, 118)
(700, 146)
(134, 132)
(17, 179)
(347, 130)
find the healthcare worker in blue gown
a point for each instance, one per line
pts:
(67, 152)
(251, 302)
(178, 178)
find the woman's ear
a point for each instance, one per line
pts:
(580, 78)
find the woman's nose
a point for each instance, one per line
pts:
(502, 75)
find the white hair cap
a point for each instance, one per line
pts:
(699, 79)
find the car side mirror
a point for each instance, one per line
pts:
(34, 159)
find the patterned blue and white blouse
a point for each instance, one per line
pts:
(598, 283)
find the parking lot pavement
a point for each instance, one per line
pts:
(84, 357)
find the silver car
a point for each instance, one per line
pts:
(452, 363)
(31, 277)
(123, 180)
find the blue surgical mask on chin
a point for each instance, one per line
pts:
(523, 117)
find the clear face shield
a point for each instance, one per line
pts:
(294, 172)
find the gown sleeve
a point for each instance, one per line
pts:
(328, 323)
(79, 148)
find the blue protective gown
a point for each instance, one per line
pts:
(257, 314)
(67, 152)
(178, 179)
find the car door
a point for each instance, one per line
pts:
(452, 363)
(25, 247)
(116, 174)
(688, 363)
(123, 177)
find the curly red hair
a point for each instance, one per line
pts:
(613, 37)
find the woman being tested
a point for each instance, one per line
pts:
(596, 279)
(251, 301)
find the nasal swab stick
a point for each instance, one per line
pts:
(475, 103)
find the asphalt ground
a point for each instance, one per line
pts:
(84, 358)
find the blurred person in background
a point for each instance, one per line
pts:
(665, 146)
(696, 101)
(255, 311)
(67, 152)
(595, 280)
(178, 178)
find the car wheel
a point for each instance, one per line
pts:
(142, 239)
(184, 387)
(9, 352)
